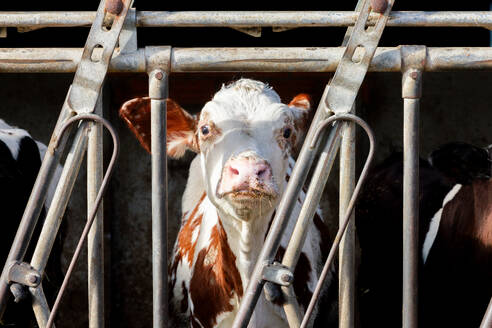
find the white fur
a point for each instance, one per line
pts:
(430, 237)
(249, 115)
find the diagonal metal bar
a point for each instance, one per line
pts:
(82, 97)
(97, 202)
(350, 207)
(347, 80)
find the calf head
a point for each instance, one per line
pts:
(244, 137)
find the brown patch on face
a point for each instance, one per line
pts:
(186, 247)
(215, 279)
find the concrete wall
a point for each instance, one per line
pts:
(455, 107)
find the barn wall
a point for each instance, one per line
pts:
(455, 107)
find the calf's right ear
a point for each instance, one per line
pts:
(181, 126)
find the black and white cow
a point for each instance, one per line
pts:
(455, 239)
(20, 159)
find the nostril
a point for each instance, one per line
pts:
(233, 170)
(261, 172)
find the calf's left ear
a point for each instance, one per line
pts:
(181, 126)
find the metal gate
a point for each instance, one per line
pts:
(159, 61)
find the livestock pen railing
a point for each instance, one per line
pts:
(159, 61)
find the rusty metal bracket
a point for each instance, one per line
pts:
(24, 274)
(355, 61)
(97, 54)
(278, 274)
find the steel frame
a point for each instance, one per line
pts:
(158, 62)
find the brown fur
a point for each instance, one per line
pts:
(215, 280)
(136, 114)
(185, 246)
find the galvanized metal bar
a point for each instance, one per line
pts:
(310, 205)
(40, 305)
(60, 200)
(487, 318)
(104, 185)
(158, 92)
(251, 18)
(62, 60)
(283, 211)
(413, 60)
(335, 99)
(350, 207)
(346, 254)
(95, 238)
(292, 309)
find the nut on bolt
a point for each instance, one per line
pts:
(159, 75)
(286, 277)
(114, 6)
(379, 6)
(32, 278)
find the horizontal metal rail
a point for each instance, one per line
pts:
(252, 18)
(386, 59)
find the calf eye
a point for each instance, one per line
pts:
(205, 130)
(287, 133)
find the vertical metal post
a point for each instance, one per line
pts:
(95, 239)
(346, 290)
(487, 318)
(413, 58)
(158, 92)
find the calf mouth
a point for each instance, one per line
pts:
(249, 195)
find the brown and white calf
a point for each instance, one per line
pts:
(243, 137)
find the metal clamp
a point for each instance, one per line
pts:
(278, 274)
(24, 274)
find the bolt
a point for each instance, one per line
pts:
(379, 6)
(286, 277)
(114, 6)
(32, 278)
(159, 75)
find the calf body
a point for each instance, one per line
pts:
(243, 137)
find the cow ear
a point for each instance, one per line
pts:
(180, 125)
(136, 114)
(302, 104)
(181, 130)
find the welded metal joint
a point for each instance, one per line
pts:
(278, 274)
(24, 274)
(413, 60)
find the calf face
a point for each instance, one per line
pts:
(243, 136)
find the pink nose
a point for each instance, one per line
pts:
(244, 173)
